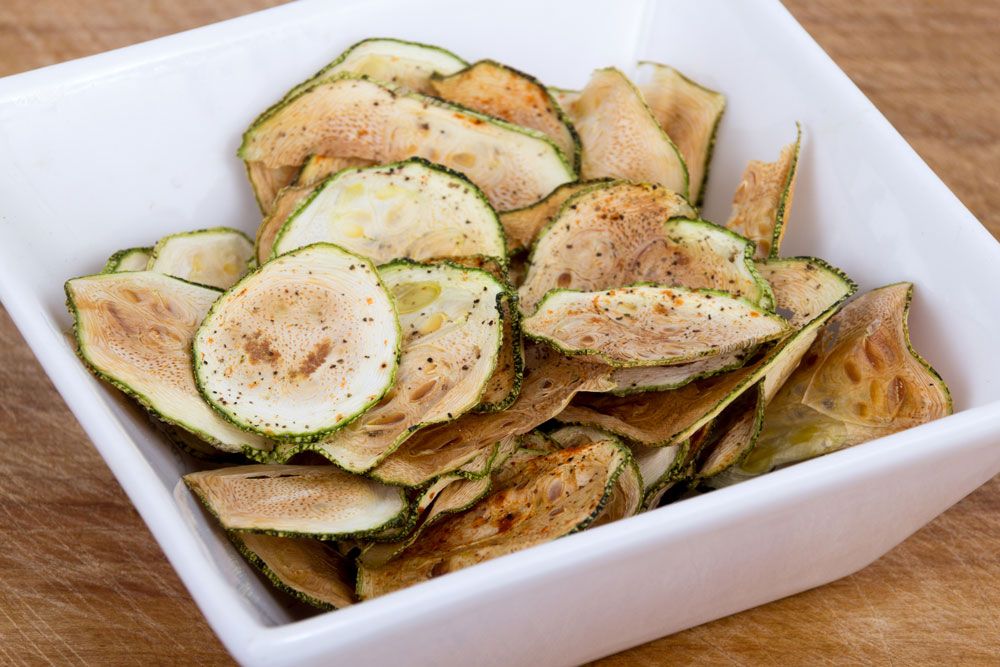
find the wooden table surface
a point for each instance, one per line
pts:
(84, 582)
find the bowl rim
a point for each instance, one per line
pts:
(245, 636)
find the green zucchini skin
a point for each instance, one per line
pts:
(122, 258)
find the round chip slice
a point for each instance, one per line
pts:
(300, 347)
(216, 257)
(609, 235)
(534, 500)
(291, 500)
(650, 325)
(411, 209)
(451, 325)
(129, 259)
(621, 137)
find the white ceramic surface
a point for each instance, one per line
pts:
(121, 148)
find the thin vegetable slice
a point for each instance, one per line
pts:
(314, 171)
(689, 113)
(606, 236)
(533, 501)
(285, 203)
(564, 97)
(216, 257)
(620, 135)
(297, 500)
(268, 181)
(487, 460)
(188, 442)
(408, 65)
(448, 495)
(805, 287)
(317, 167)
(550, 381)
(411, 209)
(395, 61)
(129, 259)
(522, 225)
(763, 199)
(301, 347)
(650, 325)
(670, 417)
(654, 463)
(860, 380)
(631, 484)
(451, 322)
(134, 330)
(501, 91)
(514, 166)
(308, 569)
(738, 434)
(638, 379)
(504, 385)
(676, 472)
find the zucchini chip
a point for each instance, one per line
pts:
(267, 182)
(396, 61)
(675, 471)
(804, 287)
(300, 347)
(533, 501)
(564, 97)
(287, 201)
(522, 225)
(638, 379)
(501, 91)
(297, 500)
(310, 570)
(487, 460)
(689, 113)
(134, 330)
(411, 209)
(129, 259)
(451, 322)
(670, 417)
(860, 380)
(631, 483)
(513, 165)
(216, 257)
(606, 236)
(191, 444)
(650, 325)
(408, 65)
(550, 381)
(505, 383)
(318, 167)
(657, 465)
(314, 171)
(739, 429)
(450, 494)
(621, 137)
(763, 199)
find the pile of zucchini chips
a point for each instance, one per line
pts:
(481, 314)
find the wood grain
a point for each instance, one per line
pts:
(83, 582)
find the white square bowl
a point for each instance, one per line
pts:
(121, 148)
